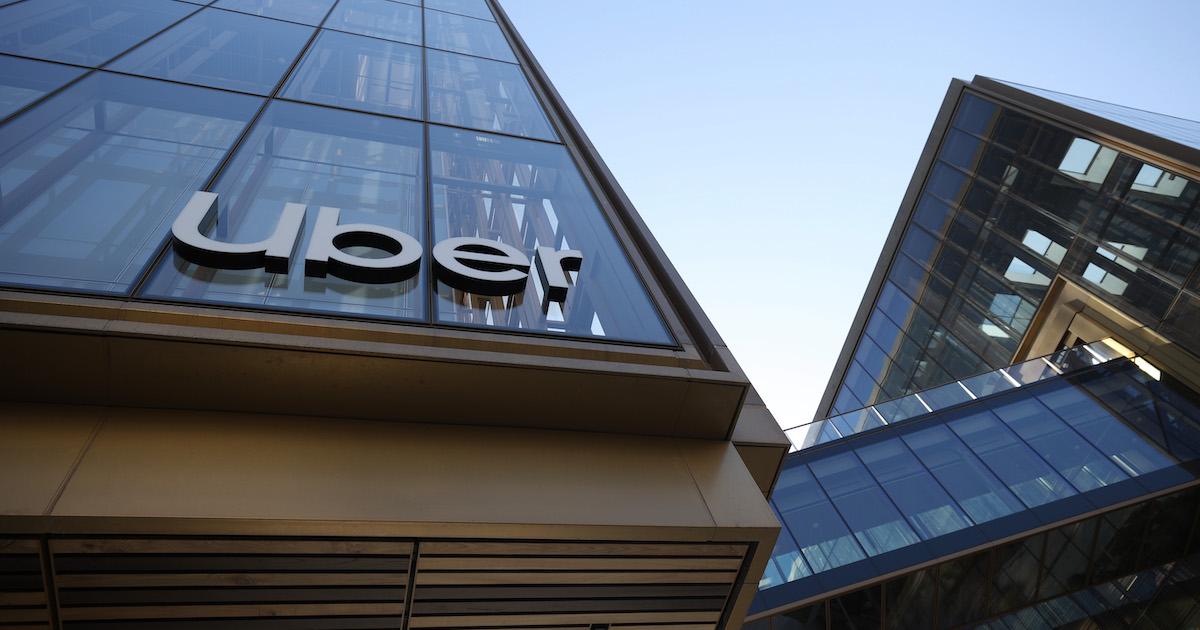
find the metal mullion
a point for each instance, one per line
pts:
(91, 69)
(219, 170)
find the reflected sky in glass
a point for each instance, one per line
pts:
(220, 49)
(361, 73)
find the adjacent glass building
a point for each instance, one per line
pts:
(326, 314)
(1011, 436)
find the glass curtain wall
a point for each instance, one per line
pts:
(1011, 202)
(1136, 567)
(417, 118)
(869, 504)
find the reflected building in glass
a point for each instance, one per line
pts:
(326, 314)
(1011, 435)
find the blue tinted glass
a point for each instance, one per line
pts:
(461, 34)
(83, 32)
(901, 409)
(360, 73)
(473, 8)
(786, 562)
(22, 81)
(987, 384)
(819, 531)
(377, 18)
(1018, 466)
(221, 49)
(876, 524)
(846, 401)
(859, 381)
(945, 396)
(871, 356)
(93, 177)
(975, 114)
(1060, 445)
(309, 12)
(918, 495)
(483, 94)
(856, 421)
(366, 166)
(897, 306)
(529, 194)
(884, 332)
(1134, 454)
(1125, 396)
(977, 491)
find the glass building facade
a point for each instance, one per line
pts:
(954, 479)
(1012, 201)
(415, 118)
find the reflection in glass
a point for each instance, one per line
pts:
(876, 524)
(220, 49)
(979, 493)
(822, 535)
(23, 81)
(309, 12)
(82, 32)
(529, 194)
(369, 167)
(93, 177)
(1058, 444)
(483, 94)
(473, 8)
(378, 18)
(924, 503)
(360, 73)
(1018, 466)
(466, 35)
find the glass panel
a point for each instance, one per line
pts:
(1018, 466)
(820, 532)
(962, 590)
(473, 8)
(309, 12)
(377, 18)
(903, 409)
(366, 166)
(82, 32)
(876, 524)
(987, 384)
(858, 610)
(483, 94)
(979, 493)
(945, 396)
(221, 49)
(922, 500)
(93, 177)
(909, 600)
(856, 421)
(786, 564)
(360, 73)
(1069, 454)
(466, 35)
(529, 194)
(1131, 452)
(23, 81)
(812, 617)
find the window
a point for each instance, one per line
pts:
(457, 33)
(528, 194)
(362, 73)
(82, 32)
(94, 176)
(378, 18)
(221, 49)
(368, 167)
(309, 12)
(23, 81)
(472, 8)
(483, 94)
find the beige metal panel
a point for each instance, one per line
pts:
(741, 603)
(757, 426)
(149, 463)
(763, 463)
(38, 447)
(730, 493)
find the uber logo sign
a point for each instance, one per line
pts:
(476, 265)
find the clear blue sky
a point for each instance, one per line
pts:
(786, 131)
